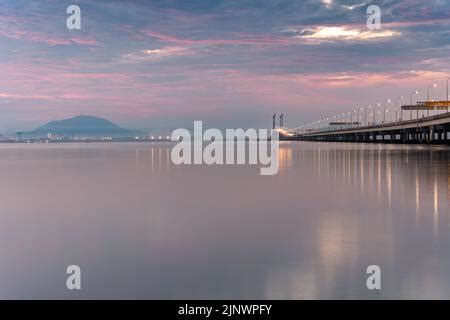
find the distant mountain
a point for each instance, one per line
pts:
(81, 126)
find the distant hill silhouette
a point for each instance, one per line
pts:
(81, 126)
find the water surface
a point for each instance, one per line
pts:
(141, 227)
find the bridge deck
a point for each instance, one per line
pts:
(432, 129)
(426, 122)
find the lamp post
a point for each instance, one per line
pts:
(375, 110)
(373, 121)
(365, 115)
(396, 107)
(410, 99)
(428, 96)
(384, 109)
(447, 94)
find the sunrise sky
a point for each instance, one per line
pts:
(159, 64)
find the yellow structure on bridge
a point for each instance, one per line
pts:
(428, 105)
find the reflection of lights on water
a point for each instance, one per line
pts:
(355, 164)
(436, 206)
(343, 165)
(286, 158)
(361, 165)
(417, 197)
(167, 160)
(327, 161)
(159, 157)
(319, 160)
(389, 181)
(152, 161)
(379, 174)
(334, 167)
(337, 237)
(331, 239)
(371, 170)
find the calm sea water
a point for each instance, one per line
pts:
(141, 227)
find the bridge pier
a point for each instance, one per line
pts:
(420, 135)
(404, 136)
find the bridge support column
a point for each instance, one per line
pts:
(431, 134)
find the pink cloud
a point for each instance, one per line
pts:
(155, 54)
(52, 41)
(13, 27)
(240, 38)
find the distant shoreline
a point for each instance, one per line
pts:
(87, 140)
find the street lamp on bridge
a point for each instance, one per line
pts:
(428, 96)
(410, 102)
(396, 108)
(365, 114)
(448, 97)
(384, 109)
(374, 112)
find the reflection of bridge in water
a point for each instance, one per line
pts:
(410, 179)
(429, 129)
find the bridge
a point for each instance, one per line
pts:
(433, 129)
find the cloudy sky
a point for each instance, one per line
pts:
(232, 63)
